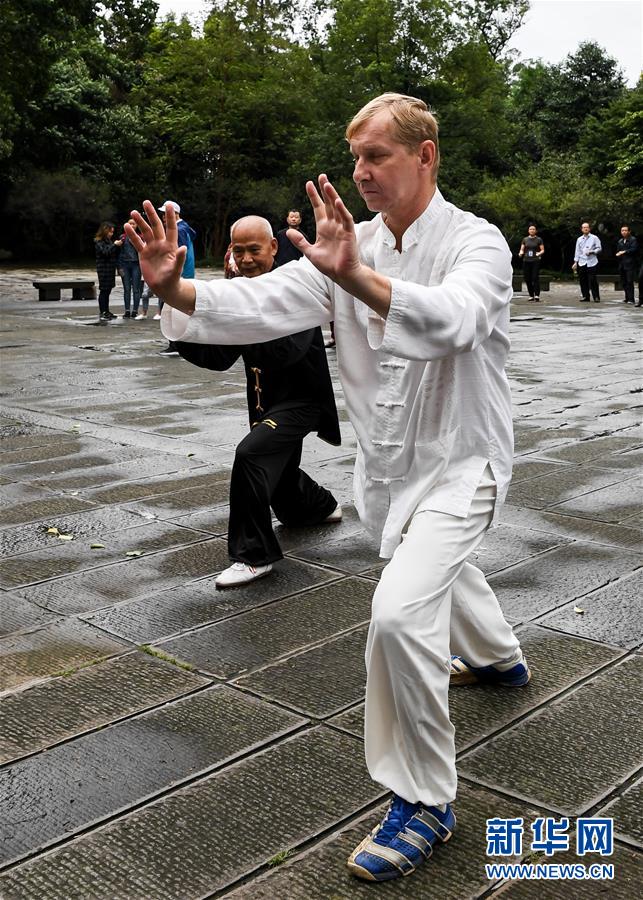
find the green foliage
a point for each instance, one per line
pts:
(554, 101)
(101, 106)
(57, 212)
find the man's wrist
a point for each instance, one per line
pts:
(370, 287)
(181, 296)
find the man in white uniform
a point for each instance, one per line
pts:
(420, 297)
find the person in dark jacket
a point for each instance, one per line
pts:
(130, 271)
(106, 253)
(626, 252)
(289, 395)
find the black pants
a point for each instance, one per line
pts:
(627, 280)
(531, 271)
(588, 281)
(103, 300)
(266, 473)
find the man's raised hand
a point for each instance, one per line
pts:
(335, 250)
(160, 256)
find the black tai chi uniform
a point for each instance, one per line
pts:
(290, 394)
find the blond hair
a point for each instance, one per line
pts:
(413, 122)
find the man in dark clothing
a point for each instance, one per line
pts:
(290, 394)
(626, 250)
(286, 250)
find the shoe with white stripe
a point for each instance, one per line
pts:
(463, 672)
(240, 573)
(402, 842)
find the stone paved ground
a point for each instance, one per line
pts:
(161, 740)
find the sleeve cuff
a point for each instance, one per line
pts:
(390, 333)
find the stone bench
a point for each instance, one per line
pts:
(614, 279)
(50, 288)
(517, 283)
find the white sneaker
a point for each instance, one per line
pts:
(157, 317)
(239, 573)
(141, 316)
(335, 516)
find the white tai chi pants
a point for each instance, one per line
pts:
(429, 604)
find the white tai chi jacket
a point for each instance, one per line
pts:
(425, 388)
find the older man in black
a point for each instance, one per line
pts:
(289, 395)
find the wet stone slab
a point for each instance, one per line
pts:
(294, 539)
(257, 637)
(54, 794)
(64, 558)
(556, 662)
(353, 553)
(199, 602)
(548, 757)
(25, 538)
(190, 848)
(16, 614)
(50, 650)
(63, 447)
(531, 439)
(352, 720)
(596, 449)
(176, 504)
(90, 698)
(60, 465)
(128, 580)
(566, 573)
(23, 436)
(455, 871)
(634, 521)
(625, 535)
(525, 468)
(46, 507)
(613, 614)
(123, 493)
(318, 682)
(210, 521)
(613, 504)
(83, 480)
(565, 484)
(626, 812)
(631, 460)
(507, 545)
(627, 882)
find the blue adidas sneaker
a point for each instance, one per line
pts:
(463, 672)
(402, 841)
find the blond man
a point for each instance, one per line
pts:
(420, 298)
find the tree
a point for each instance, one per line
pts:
(33, 35)
(222, 110)
(553, 102)
(611, 148)
(57, 212)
